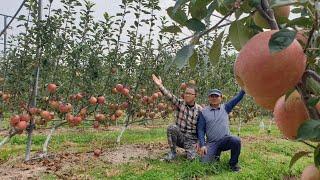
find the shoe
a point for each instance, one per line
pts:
(235, 168)
(170, 156)
(191, 158)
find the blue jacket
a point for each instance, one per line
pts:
(214, 122)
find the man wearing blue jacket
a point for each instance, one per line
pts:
(213, 123)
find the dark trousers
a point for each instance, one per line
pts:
(177, 138)
(232, 143)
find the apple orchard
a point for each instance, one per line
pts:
(83, 74)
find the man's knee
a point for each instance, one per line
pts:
(172, 128)
(236, 141)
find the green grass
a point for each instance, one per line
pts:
(256, 164)
(81, 141)
(263, 155)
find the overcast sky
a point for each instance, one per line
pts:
(9, 7)
(111, 6)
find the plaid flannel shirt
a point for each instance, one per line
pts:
(186, 116)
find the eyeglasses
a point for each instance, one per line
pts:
(189, 94)
(214, 96)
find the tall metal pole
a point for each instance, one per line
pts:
(5, 37)
(40, 10)
(35, 91)
(207, 45)
(4, 61)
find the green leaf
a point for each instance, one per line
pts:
(237, 14)
(171, 29)
(290, 91)
(252, 25)
(228, 3)
(281, 40)
(246, 7)
(309, 130)
(313, 86)
(178, 5)
(183, 56)
(297, 156)
(198, 10)
(106, 16)
(317, 156)
(301, 21)
(296, 10)
(179, 16)
(193, 60)
(215, 50)
(212, 7)
(239, 34)
(225, 6)
(254, 3)
(282, 20)
(313, 101)
(195, 25)
(304, 12)
(168, 65)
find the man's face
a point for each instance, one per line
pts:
(214, 99)
(189, 95)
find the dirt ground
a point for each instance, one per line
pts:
(65, 164)
(62, 164)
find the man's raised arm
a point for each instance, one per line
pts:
(166, 92)
(234, 101)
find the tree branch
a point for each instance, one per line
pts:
(216, 25)
(265, 9)
(12, 133)
(302, 89)
(308, 144)
(313, 74)
(46, 143)
(263, 13)
(194, 35)
(315, 25)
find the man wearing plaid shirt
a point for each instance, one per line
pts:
(184, 132)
